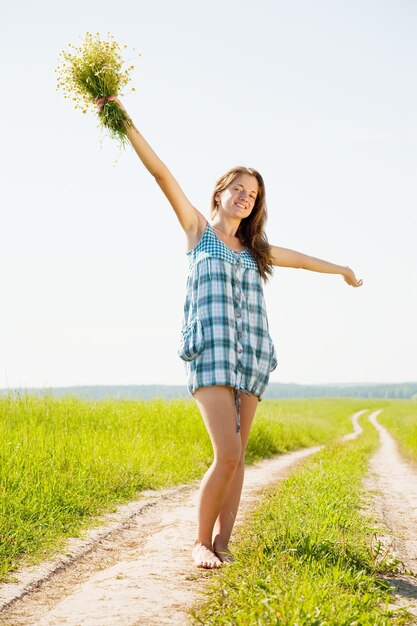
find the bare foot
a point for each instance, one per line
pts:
(204, 557)
(223, 553)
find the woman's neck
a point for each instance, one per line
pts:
(227, 230)
(232, 241)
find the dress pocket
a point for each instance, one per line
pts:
(273, 361)
(192, 340)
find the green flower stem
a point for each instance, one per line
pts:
(115, 120)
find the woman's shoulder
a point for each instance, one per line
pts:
(193, 239)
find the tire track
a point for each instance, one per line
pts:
(394, 487)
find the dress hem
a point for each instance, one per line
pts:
(192, 390)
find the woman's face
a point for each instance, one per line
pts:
(238, 199)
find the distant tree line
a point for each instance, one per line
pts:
(405, 391)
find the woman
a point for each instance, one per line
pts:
(225, 340)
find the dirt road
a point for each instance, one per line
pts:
(136, 568)
(393, 483)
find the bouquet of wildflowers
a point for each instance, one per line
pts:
(90, 74)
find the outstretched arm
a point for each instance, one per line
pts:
(191, 220)
(283, 257)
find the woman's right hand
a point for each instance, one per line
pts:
(100, 102)
(117, 101)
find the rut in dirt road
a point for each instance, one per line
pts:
(394, 484)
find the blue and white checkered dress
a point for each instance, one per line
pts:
(225, 337)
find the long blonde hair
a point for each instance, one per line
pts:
(251, 229)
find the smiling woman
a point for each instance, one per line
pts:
(225, 341)
(240, 193)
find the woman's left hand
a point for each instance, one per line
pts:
(351, 279)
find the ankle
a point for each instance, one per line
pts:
(218, 539)
(206, 544)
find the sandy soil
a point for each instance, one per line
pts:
(393, 482)
(136, 567)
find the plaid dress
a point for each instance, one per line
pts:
(225, 337)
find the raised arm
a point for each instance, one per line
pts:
(284, 257)
(191, 220)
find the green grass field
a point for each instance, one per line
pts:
(400, 417)
(306, 557)
(64, 461)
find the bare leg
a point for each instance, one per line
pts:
(217, 407)
(226, 518)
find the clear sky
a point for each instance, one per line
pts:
(321, 97)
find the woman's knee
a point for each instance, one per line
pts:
(243, 451)
(242, 458)
(228, 460)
